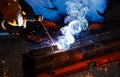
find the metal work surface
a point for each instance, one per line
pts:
(11, 51)
(104, 44)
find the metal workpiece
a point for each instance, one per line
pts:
(36, 63)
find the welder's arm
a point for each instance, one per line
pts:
(53, 10)
(45, 8)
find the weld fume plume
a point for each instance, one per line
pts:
(76, 22)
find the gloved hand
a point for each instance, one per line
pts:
(9, 10)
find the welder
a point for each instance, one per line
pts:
(13, 12)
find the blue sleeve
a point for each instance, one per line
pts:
(54, 9)
(96, 6)
(44, 8)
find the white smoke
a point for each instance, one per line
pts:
(76, 22)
